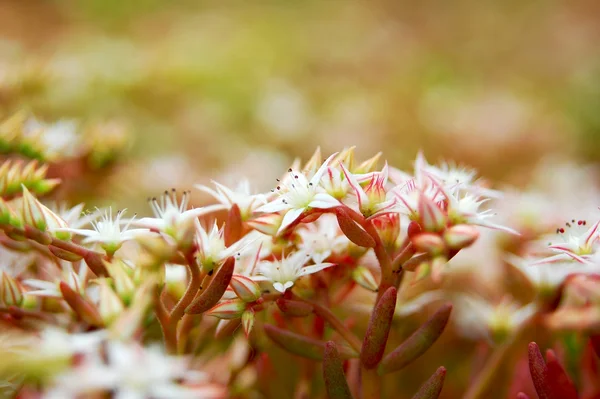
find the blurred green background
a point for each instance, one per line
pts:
(227, 89)
(234, 89)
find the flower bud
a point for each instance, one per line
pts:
(367, 166)
(35, 214)
(226, 328)
(231, 309)
(388, 228)
(460, 236)
(10, 291)
(248, 321)
(8, 215)
(432, 218)
(429, 243)
(363, 277)
(245, 288)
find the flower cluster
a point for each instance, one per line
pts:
(289, 266)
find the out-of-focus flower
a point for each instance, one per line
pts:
(478, 318)
(77, 280)
(284, 273)
(54, 140)
(322, 238)
(241, 196)
(297, 194)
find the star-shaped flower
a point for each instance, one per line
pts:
(297, 195)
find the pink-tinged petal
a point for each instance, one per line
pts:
(592, 233)
(275, 206)
(315, 268)
(289, 218)
(209, 191)
(358, 190)
(319, 173)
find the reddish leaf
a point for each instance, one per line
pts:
(294, 308)
(233, 227)
(433, 386)
(352, 230)
(333, 373)
(538, 371)
(215, 290)
(557, 379)
(418, 343)
(378, 330)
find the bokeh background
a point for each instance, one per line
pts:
(226, 90)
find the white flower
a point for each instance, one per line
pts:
(211, 245)
(297, 194)
(478, 318)
(576, 240)
(108, 231)
(373, 200)
(284, 273)
(322, 238)
(50, 286)
(173, 218)
(241, 196)
(464, 209)
(55, 139)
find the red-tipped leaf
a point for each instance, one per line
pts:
(81, 306)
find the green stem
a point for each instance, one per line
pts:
(370, 384)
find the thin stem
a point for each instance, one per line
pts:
(370, 384)
(162, 315)
(480, 386)
(335, 323)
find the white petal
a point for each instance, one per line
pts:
(316, 268)
(289, 218)
(279, 287)
(323, 201)
(317, 176)
(275, 206)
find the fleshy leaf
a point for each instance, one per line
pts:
(300, 345)
(233, 227)
(433, 386)
(538, 371)
(333, 373)
(557, 378)
(379, 328)
(353, 231)
(215, 290)
(83, 308)
(418, 343)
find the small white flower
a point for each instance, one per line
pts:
(576, 240)
(173, 218)
(297, 194)
(284, 273)
(322, 238)
(464, 209)
(49, 287)
(108, 231)
(373, 199)
(241, 196)
(211, 245)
